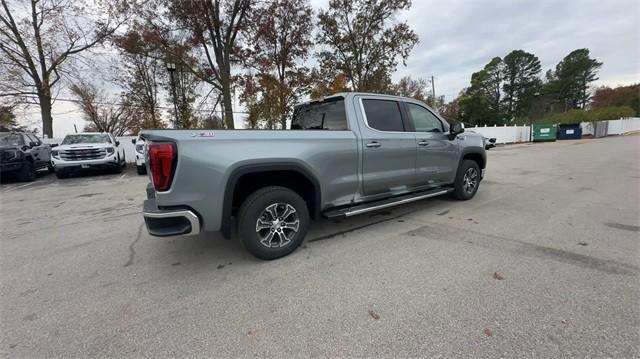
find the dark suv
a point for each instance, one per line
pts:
(22, 154)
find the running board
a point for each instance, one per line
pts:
(389, 202)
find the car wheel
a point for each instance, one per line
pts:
(272, 222)
(28, 172)
(50, 168)
(61, 175)
(141, 170)
(467, 180)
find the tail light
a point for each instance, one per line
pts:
(162, 162)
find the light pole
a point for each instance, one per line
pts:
(171, 67)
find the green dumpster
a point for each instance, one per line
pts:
(544, 132)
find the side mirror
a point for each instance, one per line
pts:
(117, 143)
(33, 144)
(455, 130)
(52, 145)
(133, 140)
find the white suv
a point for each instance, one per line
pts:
(141, 167)
(89, 150)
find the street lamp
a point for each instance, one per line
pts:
(171, 67)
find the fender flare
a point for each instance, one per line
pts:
(229, 189)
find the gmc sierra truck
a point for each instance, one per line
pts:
(343, 155)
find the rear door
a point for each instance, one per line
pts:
(436, 154)
(388, 150)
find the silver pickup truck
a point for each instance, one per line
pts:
(343, 155)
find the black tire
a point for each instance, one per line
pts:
(62, 175)
(118, 167)
(468, 175)
(283, 240)
(27, 172)
(142, 170)
(50, 168)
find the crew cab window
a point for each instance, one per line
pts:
(383, 115)
(327, 115)
(423, 119)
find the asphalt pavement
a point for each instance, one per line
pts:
(543, 262)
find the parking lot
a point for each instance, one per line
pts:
(543, 262)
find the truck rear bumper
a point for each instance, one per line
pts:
(173, 222)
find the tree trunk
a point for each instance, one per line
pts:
(226, 102)
(45, 111)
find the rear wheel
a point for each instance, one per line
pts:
(28, 172)
(467, 180)
(272, 222)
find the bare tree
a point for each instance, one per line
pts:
(39, 39)
(142, 75)
(115, 115)
(215, 26)
(280, 41)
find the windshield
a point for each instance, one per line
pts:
(11, 139)
(85, 138)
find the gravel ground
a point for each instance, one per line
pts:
(543, 262)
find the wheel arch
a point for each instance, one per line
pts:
(302, 181)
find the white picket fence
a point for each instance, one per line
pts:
(516, 134)
(504, 134)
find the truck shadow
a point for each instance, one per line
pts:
(210, 251)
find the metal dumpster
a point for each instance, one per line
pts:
(544, 132)
(571, 131)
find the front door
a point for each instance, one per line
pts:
(436, 153)
(388, 150)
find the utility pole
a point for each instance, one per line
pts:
(171, 67)
(433, 91)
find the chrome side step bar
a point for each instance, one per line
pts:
(374, 206)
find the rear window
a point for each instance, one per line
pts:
(383, 115)
(327, 115)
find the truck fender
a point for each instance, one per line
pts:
(225, 226)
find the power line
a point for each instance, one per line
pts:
(134, 106)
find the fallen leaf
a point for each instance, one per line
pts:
(220, 266)
(176, 264)
(487, 332)
(251, 332)
(374, 315)
(497, 276)
(583, 243)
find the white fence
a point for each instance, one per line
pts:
(125, 142)
(504, 134)
(516, 134)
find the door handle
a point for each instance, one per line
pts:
(423, 143)
(373, 144)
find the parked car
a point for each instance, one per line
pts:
(83, 151)
(347, 154)
(140, 161)
(22, 154)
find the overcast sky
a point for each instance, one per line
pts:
(459, 37)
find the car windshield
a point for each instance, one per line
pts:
(11, 139)
(85, 138)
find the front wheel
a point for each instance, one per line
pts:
(272, 222)
(142, 170)
(467, 180)
(28, 172)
